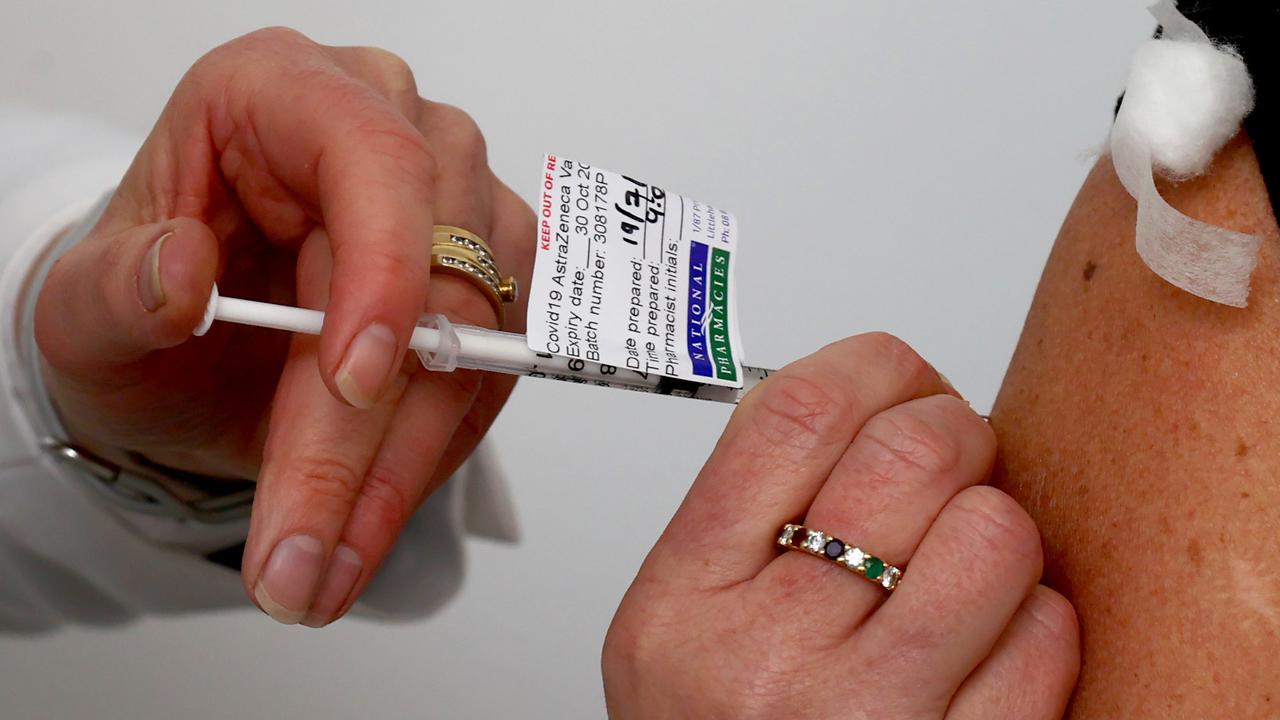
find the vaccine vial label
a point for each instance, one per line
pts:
(634, 277)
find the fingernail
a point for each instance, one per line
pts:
(364, 370)
(150, 286)
(339, 581)
(946, 381)
(288, 581)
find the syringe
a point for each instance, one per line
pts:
(444, 346)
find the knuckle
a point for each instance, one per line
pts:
(895, 354)
(395, 140)
(408, 163)
(376, 128)
(375, 131)
(622, 647)
(458, 132)
(913, 441)
(797, 410)
(967, 424)
(395, 72)
(277, 34)
(327, 478)
(269, 38)
(383, 495)
(649, 645)
(996, 525)
(637, 637)
(394, 269)
(269, 44)
(393, 66)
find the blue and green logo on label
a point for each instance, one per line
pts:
(709, 348)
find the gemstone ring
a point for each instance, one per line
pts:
(850, 557)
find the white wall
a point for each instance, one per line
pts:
(895, 165)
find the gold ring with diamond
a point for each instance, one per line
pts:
(459, 252)
(849, 557)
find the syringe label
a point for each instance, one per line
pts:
(627, 274)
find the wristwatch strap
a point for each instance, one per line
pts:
(140, 493)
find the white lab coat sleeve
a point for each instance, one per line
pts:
(68, 553)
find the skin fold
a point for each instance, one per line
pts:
(1137, 424)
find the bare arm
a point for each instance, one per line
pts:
(1141, 428)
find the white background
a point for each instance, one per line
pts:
(895, 165)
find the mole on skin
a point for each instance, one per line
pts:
(1090, 267)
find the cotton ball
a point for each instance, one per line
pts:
(1186, 99)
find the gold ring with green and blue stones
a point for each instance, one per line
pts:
(850, 557)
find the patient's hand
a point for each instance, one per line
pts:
(864, 441)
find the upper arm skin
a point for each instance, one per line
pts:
(1141, 427)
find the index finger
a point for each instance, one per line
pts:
(777, 451)
(293, 127)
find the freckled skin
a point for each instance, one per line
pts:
(1141, 427)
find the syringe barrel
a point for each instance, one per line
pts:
(462, 346)
(444, 346)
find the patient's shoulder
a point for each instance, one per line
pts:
(1141, 426)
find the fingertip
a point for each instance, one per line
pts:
(114, 298)
(1046, 632)
(335, 594)
(968, 426)
(366, 337)
(1055, 617)
(366, 368)
(288, 581)
(1033, 668)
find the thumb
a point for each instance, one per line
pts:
(111, 300)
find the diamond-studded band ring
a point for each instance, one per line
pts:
(459, 252)
(850, 557)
